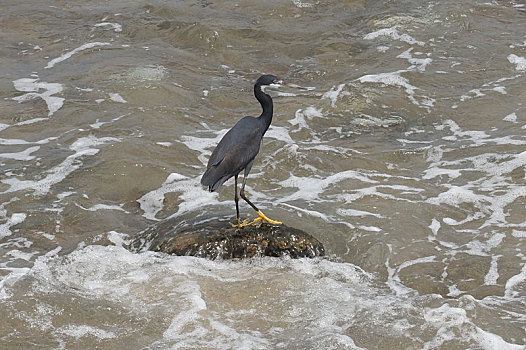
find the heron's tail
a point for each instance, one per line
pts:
(211, 180)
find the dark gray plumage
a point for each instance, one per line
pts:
(238, 148)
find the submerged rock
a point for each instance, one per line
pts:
(217, 239)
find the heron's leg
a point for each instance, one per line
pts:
(261, 217)
(236, 199)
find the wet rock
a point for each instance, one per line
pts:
(217, 239)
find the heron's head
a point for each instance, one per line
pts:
(268, 79)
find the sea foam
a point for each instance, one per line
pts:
(32, 86)
(69, 54)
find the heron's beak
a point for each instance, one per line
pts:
(295, 86)
(279, 83)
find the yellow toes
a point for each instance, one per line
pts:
(262, 217)
(257, 221)
(241, 223)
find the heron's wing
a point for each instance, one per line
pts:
(235, 150)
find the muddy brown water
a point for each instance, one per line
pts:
(407, 160)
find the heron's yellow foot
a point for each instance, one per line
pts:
(262, 217)
(241, 223)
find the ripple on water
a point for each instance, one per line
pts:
(407, 161)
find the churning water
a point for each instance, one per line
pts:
(407, 161)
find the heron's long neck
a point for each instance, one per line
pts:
(266, 103)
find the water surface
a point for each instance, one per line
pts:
(407, 160)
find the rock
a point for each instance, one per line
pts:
(217, 239)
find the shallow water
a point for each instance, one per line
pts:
(407, 160)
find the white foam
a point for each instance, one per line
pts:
(370, 121)
(326, 148)
(489, 195)
(31, 121)
(98, 123)
(500, 90)
(32, 86)
(523, 44)
(117, 238)
(192, 196)
(17, 254)
(359, 213)
(500, 202)
(392, 79)
(11, 142)
(97, 207)
(433, 172)
(10, 279)
(516, 284)
(68, 54)
(334, 93)
(115, 275)
(80, 331)
(14, 219)
(194, 303)
(115, 26)
(279, 133)
(435, 226)
(393, 34)
(65, 194)
(24, 155)
(450, 321)
(492, 341)
(197, 303)
(365, 192)
(203, 144)
(370, 228)
(314, 214)
(419, 64)
(82, 147)
(475, 136)
(518, 234)
(512, 117)
(406, 141)
(518, 61)
(53, 252)
(47, 235)
(474, 92)
(394, 280)
(300, 115)
(301, 4)
(84, 89)
(115, 97)
(493, 272)
(310, 188)
(456, 195)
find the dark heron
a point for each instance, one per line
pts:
(240, 145)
